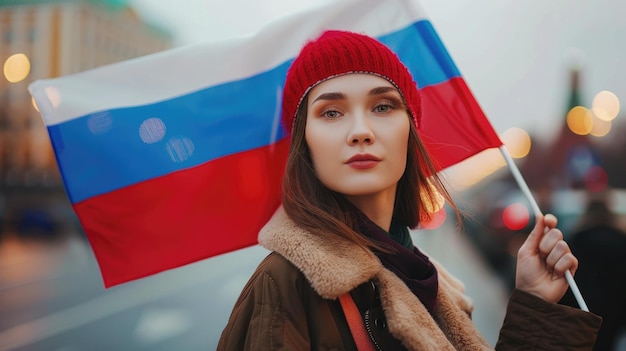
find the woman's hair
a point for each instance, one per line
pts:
(320, 210)
(306, 200)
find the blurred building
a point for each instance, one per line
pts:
(46, 39)
(584, 153)
(584, 158)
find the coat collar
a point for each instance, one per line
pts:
(335, 266)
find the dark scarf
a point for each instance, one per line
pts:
(408, 263)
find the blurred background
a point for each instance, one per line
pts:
(548, 74)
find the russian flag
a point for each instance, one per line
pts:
(178, 156)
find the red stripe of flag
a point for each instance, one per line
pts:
(188, 225)
(454, 126)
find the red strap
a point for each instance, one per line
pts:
(355, 322)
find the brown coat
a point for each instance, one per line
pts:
(290, 303)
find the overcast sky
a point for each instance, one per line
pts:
(513, 54)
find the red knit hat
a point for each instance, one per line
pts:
(336, 53)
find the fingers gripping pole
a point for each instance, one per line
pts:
(537, 211)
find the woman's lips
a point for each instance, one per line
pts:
(363, 161)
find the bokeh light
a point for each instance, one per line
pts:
(99, 122)
(16, 68)
(180, 149)
(596, 179)
(600, 127)
(152, 130)
(515, 216)
(605, 105)
(580, 120)
(517, 142)
(436, 220)
(474, 169)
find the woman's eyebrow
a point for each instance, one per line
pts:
(382, 90)
(342, 96)
(330, 96)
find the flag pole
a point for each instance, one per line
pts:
(537, 211)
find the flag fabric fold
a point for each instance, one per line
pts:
(178, 156)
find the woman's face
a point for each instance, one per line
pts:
(357, 131)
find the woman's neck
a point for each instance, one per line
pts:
(378, 208)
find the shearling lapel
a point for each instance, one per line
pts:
(335, 266)
(332, 265)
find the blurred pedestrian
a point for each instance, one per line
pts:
(600, 246)
(343, 273)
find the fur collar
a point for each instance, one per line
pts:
(335, 266)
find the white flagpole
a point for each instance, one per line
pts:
(537, 211)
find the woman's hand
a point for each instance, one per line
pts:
(543, 260)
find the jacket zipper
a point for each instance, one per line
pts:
(369, 330)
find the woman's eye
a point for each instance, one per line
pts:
(382, 108)
(330, 114)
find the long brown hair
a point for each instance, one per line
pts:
(313, 206)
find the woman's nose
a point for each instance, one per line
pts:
(361, 130)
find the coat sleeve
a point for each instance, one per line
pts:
(266, 315)
(534, 324)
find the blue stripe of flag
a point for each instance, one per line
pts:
(105, 151)
(421, 50)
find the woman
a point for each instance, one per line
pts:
(343, 272)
